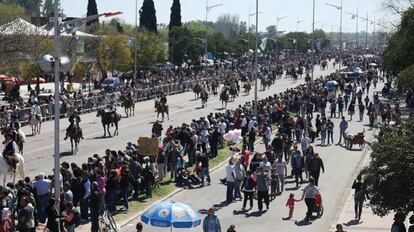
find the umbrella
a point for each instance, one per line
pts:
(171, 214)
(358, 70)
(331, 84)
(373, 64)
(41, 80)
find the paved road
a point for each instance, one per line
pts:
(340, 165)
(38, 151)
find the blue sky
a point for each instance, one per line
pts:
(326, 16)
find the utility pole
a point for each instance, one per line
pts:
(136, 40)
(313, 40)
(256, 59)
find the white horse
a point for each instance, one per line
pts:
(36, 123)
(4, 168)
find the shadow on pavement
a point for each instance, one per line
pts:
(303, 223)
(256, 213)
(353, 222)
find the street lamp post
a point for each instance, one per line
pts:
(297, 30)
(355, 16)
(340, 8)
(374, 32)
(278, 19)
(136, 40)
(256, 59)
(366, 19)
(250, 15)
(208, 8)
(313, 40)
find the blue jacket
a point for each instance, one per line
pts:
(206, 224)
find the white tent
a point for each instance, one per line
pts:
(21, 27)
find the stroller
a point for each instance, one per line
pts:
(318, 207)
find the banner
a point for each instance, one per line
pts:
(148, 146)
(263, 44)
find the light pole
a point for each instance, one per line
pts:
(366, 19)
(58, 65)
(256, 59)
(374, 33)
(355, 16)
(250, 15)
(313, 40)
(278, 19)
(136, 40)
(340, 8)
(297, 30)
(208, 9)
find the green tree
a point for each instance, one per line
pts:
(405, 79)
(175, 17)
(147, 17)
(114, 53)
(398, 55)
(32, 7)
(186, 44)
(389, 176)
(47, 8)
(151, 49)
(92, 10)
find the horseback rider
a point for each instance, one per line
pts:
(163, 99)
(14, 123)
(36, 110)
(9, 151)
(74, 119)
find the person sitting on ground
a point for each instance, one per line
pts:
(339, 228)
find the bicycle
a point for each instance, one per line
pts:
(107, 223)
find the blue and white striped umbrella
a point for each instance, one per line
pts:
(171, 214)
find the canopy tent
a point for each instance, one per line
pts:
(21, 27)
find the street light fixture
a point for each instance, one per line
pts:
(356, 17)
(250, 15)
(208, 9)
(278, 19)
(62, 64)
(340, 8)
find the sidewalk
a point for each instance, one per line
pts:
(368, 222)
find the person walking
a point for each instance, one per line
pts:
(291, 204)
(315, 165)
(211, 222)
(248, 188)
(297, 164)
(330, 129)
(205, 171)
(239, 174)
(361, 108)
(359, 196)
(309, 194)
(398, 225)
(262, 181)
(281, 170)
(343, 126)
(230, 179)
(139, 227)
(323, 132)
(351, 109)
(95, 207)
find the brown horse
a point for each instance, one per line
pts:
(108, 118)
(197, 90)
(129, 105)
(162, 109)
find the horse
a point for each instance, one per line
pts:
(75, 135)
(18, 136)
(214, 86)
(233, 92)
(5, 168)
(224, 97)
(197, 90)
(204, 98)
(247, 87)
(128, 104)
(162, 109)
(108, 118)
(266, 82)
(36, 123)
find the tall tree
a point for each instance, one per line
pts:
(147, 17)
(175, 17)
(92, 10)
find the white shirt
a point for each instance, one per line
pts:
(222, 128)
(252, 123)
(36, 109)
(280, 167)
(230, 173)
(243, 122)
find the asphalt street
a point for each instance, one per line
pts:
(38, 150)
(341, 166)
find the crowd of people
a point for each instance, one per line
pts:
(114, 177)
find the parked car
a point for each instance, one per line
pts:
(111, 84)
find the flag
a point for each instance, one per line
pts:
(318, 45)
(343, 45)
(263, 44)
